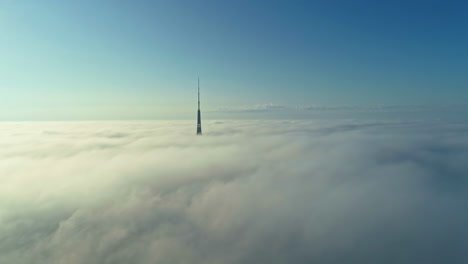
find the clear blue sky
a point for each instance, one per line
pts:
(120, 59)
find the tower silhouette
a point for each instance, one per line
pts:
(199, 131)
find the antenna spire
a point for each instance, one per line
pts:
(198, 93)
(199, 129)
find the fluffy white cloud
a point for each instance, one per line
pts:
(245, 192)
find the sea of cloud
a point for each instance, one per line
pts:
(328, 191)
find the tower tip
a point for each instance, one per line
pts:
(199, 129)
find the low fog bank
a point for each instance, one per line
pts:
(338, 191)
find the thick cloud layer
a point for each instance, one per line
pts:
(245, 192)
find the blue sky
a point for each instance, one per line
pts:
(141, 59)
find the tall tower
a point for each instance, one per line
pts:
(199, 132)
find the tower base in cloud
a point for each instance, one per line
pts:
(199, 131)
